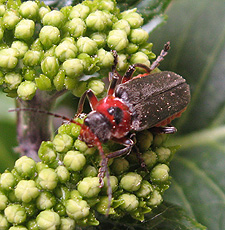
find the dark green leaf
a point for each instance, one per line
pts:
(165, 217)
(197, 34)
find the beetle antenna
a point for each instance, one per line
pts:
(103, 170)
(45, 112)
(160, 58)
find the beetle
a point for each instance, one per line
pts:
(146, 101)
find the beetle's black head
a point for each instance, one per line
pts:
(99, 125)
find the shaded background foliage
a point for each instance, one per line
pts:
(197, 35)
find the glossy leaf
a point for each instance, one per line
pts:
(197, 35)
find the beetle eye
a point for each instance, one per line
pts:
(117, 113)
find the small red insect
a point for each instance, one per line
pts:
(147, 101)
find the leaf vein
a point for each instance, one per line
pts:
(193, 167)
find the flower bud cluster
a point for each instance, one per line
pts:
(50, 50)
(62, 190)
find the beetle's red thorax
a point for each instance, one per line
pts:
(117, 113)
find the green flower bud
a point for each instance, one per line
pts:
(32, 58)
(140, 57)
(47, 179)
(43, 11)
(54, 18)
(12, 80)
(62, 192)
(4, 224)
(99, 38)
(144, 140)
(60, 209)
(10, 19)
(97, 21)
(50, 66)
(15, 214)
(1, 33)
(58, 80)
(43, 82)
(40, 166)
(62, 142)
(134, 19)
(66, 50)
(45, 200)
(131, 48)
(26, 190)
(122, 25)
(122, 62)
(29, 9)
(75, 195)
(1, 78)
(67, 224)
(62, 173)
(25, 166)
(150, 158)
(80, 145)
(73, 67)
(113, 182)
(8, 58)
(96, 86)
(36, 45)
(87, 45)
(77, 209)
(76, 27)
(160, 173)
(159, 139)
(163, 154)
(117, 40)
(46, 152)
(74, 160)
(106, 5)
(26, 90)
(3, 202)
(32, 224)
(145, 189)
(131, 181)
(155, 199)
(89, 187)
(70, 83)
(79, 88)
(138, 36)
(18, 227)
(25, 29)
(65, 129)
(48, 220)
(102, 206)
(119, 166)
(49, 35)
(22, 48)
(90, 171)
(2, 10)
(130, 202)
(79, 11)
(106, 58)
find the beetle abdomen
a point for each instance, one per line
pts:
(154, 98)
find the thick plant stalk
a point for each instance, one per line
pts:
(34, 127)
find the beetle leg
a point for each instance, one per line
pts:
(91, 98)
(160, 58)
(114, 76)
(164, 130)
(139, 157)
(128, 142)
